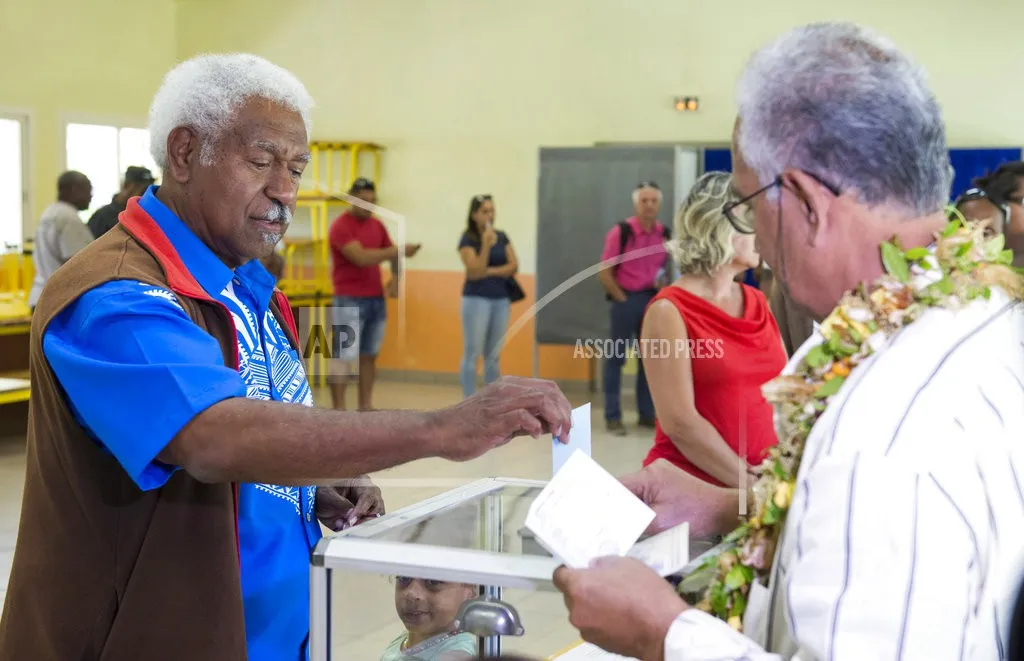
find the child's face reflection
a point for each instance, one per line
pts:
(428, 608)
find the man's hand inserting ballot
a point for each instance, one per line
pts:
(510, 407)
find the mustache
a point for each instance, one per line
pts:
(277, 213)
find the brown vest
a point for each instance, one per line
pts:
(102, 570)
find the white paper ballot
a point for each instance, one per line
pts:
(667, 552)
(584, 513)
(588, 652)
(579, 439)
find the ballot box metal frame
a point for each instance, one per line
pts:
(359, 549)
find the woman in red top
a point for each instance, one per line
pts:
(711, 343)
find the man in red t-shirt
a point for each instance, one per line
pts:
(359, 243)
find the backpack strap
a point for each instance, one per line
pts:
(625, 233)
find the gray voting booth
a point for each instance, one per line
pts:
(582, 193)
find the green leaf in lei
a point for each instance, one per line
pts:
(739, 575)
(846, 349)
(1005, 257)
(739, 605)
(895, 263)
(816, 357)
(951, 228)
(736, 534)
(830, 387)
(772, 513)
(944, 286)
(719, 600)
(915, 254)
(994, 246)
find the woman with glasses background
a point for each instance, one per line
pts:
(999, 199)
(490, 265)
(722, 343)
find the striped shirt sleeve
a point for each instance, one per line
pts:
(698, 636)
(881, 571)
(881, 568)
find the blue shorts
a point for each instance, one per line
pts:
(367, 314)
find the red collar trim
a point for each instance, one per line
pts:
(145, 230)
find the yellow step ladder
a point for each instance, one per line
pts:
(332, 169)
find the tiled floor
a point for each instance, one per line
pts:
(364, 615)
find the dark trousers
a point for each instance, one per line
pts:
(626, 319)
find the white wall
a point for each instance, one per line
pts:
(463, 93)
(92, 60)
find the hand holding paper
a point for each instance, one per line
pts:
(620, 605)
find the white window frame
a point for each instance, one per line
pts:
(117, 121)
(27, 176)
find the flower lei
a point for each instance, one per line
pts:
(962, 266)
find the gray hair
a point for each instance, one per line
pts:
(702, 240)
(636, 193)
(839, 101)
(205, 92)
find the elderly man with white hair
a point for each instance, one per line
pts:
(170, 503)
(890, 523)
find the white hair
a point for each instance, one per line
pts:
(636, 193)
(205, 92)
(843, 103)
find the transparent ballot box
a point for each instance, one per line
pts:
(465, 555)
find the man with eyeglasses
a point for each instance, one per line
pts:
(636, 259)
(902, 535)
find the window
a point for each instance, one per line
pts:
(102, 153)
(13, 192)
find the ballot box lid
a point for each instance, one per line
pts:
(472, 534)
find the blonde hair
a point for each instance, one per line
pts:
(702, 240)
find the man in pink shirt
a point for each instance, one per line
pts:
(631, 281)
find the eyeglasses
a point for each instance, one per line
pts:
(740, 213)
(648, 184)
(481, 198)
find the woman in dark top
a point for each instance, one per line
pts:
(490, 264)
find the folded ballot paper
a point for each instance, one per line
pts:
(579, 439)
(584, 513)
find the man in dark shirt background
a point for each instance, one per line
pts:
(136, 180)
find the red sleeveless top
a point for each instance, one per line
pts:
(730, 359)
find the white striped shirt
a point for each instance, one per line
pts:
(904, 539)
